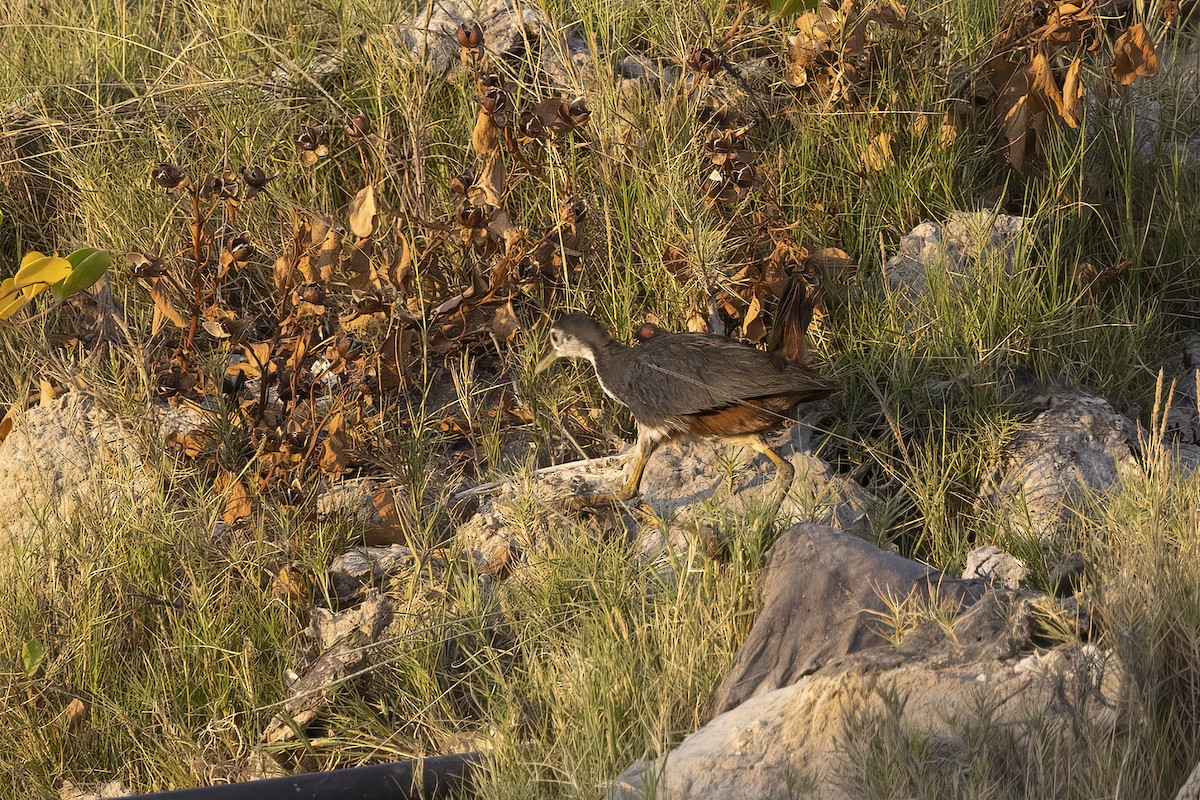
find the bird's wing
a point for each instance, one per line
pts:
(693, 373)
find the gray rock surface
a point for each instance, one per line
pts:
(343, 640)
(58, 456)
(353, 572)
(1077, 447)
(992, 564)
(822, 596)
(510, 28)
(686, 483)
(812, 738)
(962, 246)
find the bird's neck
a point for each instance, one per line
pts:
(604, 357)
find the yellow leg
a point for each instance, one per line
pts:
(645, 448)
(785, 472)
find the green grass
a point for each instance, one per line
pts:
(584, 660)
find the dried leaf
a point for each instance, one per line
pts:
(214, 329)
(1133, 56)
(486, 136)
(163, 305)
(504, 322)
(490, 185)
(753, 326)
(46, 393)
(6, 423)
(880, 153)
(74, 714)
(235, 499)
(1071, 93)
(293, 584)
(362, 212)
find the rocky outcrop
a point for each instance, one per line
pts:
(59, 455)
(823, 596)
(992, 564)
(685, 483)
(510, 28)
(957, 250)
(926, 698)
(1078, 447)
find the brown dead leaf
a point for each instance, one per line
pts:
(362, 212)
(1133, 56)
(754, 327)
(504, 322)
(335, 454)
(1071, 93)
(880, 153)
(235, 499)
(400, 271)
(6, 424)
(485, 138)
(293, 584)
(75, 714)
(490, 185)
(47, 394)
(163, 307)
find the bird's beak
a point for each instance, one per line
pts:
(546, 361)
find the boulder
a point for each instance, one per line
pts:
(60, 455)
(992, 564)
(924, 702)
(1078, 447)
(823, 593)
(510, 28)
(959, 248)
(685, 483)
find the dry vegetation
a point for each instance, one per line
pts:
(352, 275)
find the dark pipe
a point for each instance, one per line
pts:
(419, 779)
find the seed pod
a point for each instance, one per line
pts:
(313, 293)
(469, 37)
(530, 127)
(223, 187)
(168, 176)
(255, 179)
(358, 126)
(239, 248)
(577, 112)
(310, 138)
(462, 182)
(470, 216)
(706, 61)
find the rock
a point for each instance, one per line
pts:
(996, 566)
(1182, 428)
(60, 456)
(684, 482)
(343, 638)
(1191, 787)
(69, 791)
(960, 248)
(640, 74)
(289, 80)
(816, 737)
(1079, 446)
(369, 504)
(185, 427)
(509, 28)
(353, 572)
(1067, 574)
(822, 595)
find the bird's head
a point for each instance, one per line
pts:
(574, 336)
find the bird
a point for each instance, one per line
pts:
(691, 385)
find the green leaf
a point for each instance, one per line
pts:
(87, 266)
(32, 654)
(784, 8)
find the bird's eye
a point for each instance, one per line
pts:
(556, 338)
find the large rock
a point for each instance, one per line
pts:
(930, 701)
(959, 248)
(510, 28)
(823, 594)
(1076, 448)
(60, 455)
